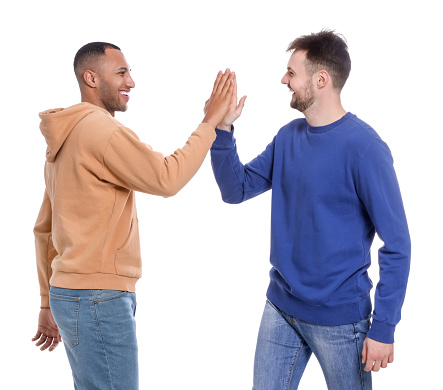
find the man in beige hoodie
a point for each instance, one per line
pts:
(86, 234)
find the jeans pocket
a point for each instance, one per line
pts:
(65, 312)
(361, 328)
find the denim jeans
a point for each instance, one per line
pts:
(98, 331)
(286, 343)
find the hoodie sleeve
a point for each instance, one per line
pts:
(45, 251)
(132, 164)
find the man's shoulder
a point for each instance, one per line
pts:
(100, 124)
(360, 128)
(357, 134)
(295, 125)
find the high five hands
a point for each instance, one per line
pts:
(234, 110)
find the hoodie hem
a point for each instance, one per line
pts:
(96, 281)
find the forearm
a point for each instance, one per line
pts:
(238, 182)
(179, 167)
(227, 168)
(394, 262)
(45, 251)
(134, 165)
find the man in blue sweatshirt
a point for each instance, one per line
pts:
(333, 187)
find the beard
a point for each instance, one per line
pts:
(110, 97)
(305, 98)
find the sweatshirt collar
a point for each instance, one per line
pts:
(331, 126)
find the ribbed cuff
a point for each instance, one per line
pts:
(225, 139)
(382, 332)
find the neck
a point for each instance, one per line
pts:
(88, 98)
(324, 112)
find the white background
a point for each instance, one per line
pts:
(205, 262)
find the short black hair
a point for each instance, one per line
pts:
(91, 51)
(325, 50)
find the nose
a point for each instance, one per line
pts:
(130, 82)
(284, 79)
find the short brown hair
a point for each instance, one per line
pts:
(325, 50)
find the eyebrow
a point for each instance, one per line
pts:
(122, 68)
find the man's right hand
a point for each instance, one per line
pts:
(47, 331)
(234, 110)
(220, 100)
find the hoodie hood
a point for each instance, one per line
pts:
(57, 124)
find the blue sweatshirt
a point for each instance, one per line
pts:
(333, 187)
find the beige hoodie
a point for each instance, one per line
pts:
(86, 233)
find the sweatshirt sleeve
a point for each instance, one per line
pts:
(378, 189)
(132, 164)
(238, 182)
(45, 251)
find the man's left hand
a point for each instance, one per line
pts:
(376, 354)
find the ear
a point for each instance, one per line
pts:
(322, 79)
(91, 78)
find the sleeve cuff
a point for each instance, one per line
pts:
(225, 139)
(382, 332)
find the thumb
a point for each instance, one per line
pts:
(240, 106)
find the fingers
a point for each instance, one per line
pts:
(217, 81)
(364, 352)
(232, 85)
(375, 363)
(368, 366)
(234, 93)
(54, 345)
(48, 342)
(228, 87)
(41, 341)
(376, 366)
(225, 83)
(37, 336)
(221, 80)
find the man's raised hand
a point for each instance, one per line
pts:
(234, 110)
(218, 104)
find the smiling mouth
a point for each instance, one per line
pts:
(125, 94)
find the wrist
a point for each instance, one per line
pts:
(221, 126)
(210, 122)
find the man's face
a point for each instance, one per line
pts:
(299, 82)
(115, 81)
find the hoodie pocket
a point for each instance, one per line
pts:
(128, 260)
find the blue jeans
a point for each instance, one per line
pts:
(286, 343)
(98, 331)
